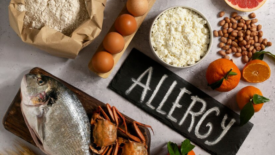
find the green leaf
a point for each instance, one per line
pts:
(186, 147)
(216, 84)
(257, 99)
(232, 73)
(246, 113)
(173, 148)
(260, 55)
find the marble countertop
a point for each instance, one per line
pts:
(17, 58)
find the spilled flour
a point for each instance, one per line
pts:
(62, 15)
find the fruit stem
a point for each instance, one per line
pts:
(226, 75)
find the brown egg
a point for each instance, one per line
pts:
(113, 42)
(102, 62)
(137, 7)
(126, 24)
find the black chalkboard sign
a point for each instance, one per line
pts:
(180, 105)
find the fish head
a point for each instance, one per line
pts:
(37, 89)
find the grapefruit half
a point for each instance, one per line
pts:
(245, 5)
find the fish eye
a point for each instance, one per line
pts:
(40, 82)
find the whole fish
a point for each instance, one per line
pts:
(55, 117)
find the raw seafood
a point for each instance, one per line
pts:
(55, 117)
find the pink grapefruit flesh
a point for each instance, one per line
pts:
(245, 5)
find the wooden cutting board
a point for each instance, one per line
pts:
(14, 121)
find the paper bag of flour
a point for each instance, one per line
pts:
(53, 41)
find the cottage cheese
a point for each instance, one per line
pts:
(180, 37)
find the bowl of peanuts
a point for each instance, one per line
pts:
(240, 36)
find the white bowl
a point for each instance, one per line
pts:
(210, 35)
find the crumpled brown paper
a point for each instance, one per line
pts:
(55, 42)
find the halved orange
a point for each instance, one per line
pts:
(256, 71)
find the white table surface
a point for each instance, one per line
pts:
(17, 58)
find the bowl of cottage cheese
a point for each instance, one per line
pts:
(180, 37)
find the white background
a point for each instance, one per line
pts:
(17, 58)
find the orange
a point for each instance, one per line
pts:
(256, 71)
(191, 153)
(218, 70)
(247, 93)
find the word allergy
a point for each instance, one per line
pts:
(194, 114)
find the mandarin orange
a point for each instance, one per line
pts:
(218, 70)
(246, 94)
(256, 71)
(191, 153)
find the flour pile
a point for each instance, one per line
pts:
(62, 15)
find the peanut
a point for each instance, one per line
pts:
(226, 35)
(221, 45)
(226, 47)
(229, 42)
(262, 46)
(254, 20)
(225, 26)
(260, 39)
(234, 14)
(250, 54)
(222, 53)
(258, 48)
(252, 15)
(269, 43)
(237, 55)
(229, 51)
(261, 33)
(240, 24)
(221, 14)
(251, 48)
(235, 25)
(242, 21)
(233, 20)
(257, 44)
(230, 25)
(240, 34)
(253, 29)
(259, 27)
(215, 33)
(245, 59)
(234, 49)
(226, 57)
(223, 39)
(234, 34)
(234, 44)
(247, 22)
(232, 37)
(254, 51)
(239, 50)
(224, 31)
(264, 42)
(244, 53)
(227, 19)
(238, 17)
(222, 22)
(230, 30)
(240, 38)
(220, 33)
